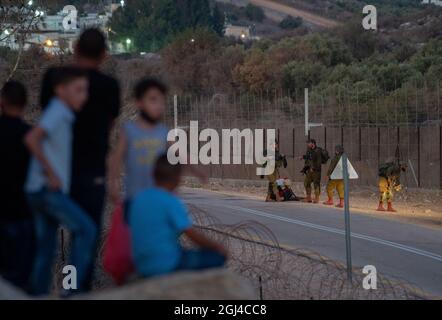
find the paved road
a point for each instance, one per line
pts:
(277, 11)
(405, 251)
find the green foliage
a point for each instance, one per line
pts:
(290, 22)
(254, 13)
(297, 75)
(431, 54)
(347, 69)
(361, 44)
(218, 20)
(330, 51)
(153, 23)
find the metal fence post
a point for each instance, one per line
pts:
(379, 146)
(419, 157)
(347, 217)
(325, 137)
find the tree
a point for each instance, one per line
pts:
(258, 73)
(189, 57)
(254, 13)
(218, 20)
(290, 23)
(153, 23)
(17, 20)
(197, 13)
(361, 43)
(300, 75)
(126, 20)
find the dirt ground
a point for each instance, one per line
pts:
(417, 206)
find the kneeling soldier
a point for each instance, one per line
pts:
(272, 190)
(389, 181)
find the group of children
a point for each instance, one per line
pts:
(37, 173)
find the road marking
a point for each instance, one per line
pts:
(399, 246)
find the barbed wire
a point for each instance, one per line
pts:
(282, 273)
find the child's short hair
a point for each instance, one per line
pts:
(13, 94)
(165, 171)
(146, 84)
(91, 44)
(65, 75)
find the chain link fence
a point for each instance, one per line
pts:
(372, 128)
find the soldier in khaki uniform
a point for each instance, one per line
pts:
(272, 190)
(389, 182)
(312, 170)
(335, 184)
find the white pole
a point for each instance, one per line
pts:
(307, 127)
(347, 216)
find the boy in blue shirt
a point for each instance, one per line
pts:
(48, 182)
(157, 218)
(140, 143)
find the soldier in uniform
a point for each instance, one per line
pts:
(312, 170)
(389, 182)
(280, 161)
(335, 184)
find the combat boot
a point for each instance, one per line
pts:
(316, 200)
(340, 204)
(329, 202)
(381, 207)
(308, 199)
(390, 207)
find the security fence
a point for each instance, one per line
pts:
(372, 129)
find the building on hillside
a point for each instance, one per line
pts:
(238, 32)
(52, 34)
(435, 2)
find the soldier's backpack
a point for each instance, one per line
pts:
(324, 156)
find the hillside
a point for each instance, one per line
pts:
(277, 10)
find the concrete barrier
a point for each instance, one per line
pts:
(216, 284)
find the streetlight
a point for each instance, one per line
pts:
(49, 43)
(122, 2)
(128, 43)
(30, 3)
